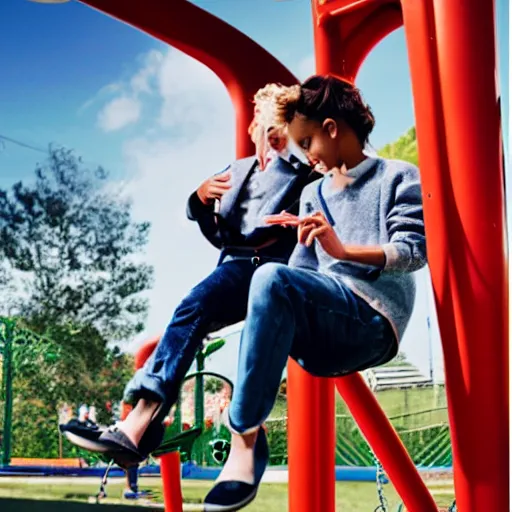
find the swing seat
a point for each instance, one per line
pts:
(182, 443)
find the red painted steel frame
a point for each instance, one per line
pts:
(241, 64)
(453, 62)
(386, 444)
(170, 468)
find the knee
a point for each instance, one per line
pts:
(269, 281)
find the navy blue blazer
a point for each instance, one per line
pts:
(222, 228)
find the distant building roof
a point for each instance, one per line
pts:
(396, 377)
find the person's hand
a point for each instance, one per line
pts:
(317, 227)
(284, 219)
(214, 187)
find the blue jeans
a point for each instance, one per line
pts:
(218, 301)
(315, 319)
(133, 478)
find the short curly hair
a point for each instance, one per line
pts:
(263, 123)
(325, 96)
(265, 108)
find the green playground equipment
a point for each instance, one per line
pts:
(188, 441)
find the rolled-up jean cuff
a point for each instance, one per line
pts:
(145, 387)
(234, 429)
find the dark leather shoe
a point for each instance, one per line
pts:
(232, 495)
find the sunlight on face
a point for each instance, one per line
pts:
(320, 148)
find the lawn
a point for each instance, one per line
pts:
(351, 497)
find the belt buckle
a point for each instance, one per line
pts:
(255, 260)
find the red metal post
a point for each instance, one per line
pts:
(311, 442)
(140, 358)
(170, 468)
(453, 63)
(241, 64)
(143, 353)
(386, 444)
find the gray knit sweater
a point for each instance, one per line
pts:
(381, 205)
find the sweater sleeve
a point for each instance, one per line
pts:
(204, 215)
(302, 256)
(197, 209)
(406, 250)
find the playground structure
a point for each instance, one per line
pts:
(452, 60)
(176, 440)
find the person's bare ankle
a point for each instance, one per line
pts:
(138, 420)
(240, 463)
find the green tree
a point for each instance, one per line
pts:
(405, 148)
(73, 258)
(69, 364)
(73, 243)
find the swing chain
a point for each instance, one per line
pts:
(380, 478)
(103, 485)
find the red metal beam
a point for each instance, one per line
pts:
(241, 64)
(145, 351)
(453, 61)
(386, 444)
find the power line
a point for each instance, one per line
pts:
(26, 145)
(22, 144)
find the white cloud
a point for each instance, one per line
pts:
(104, 91)
(119, 113)
(141, 82)
(190, 138)
(186, 88)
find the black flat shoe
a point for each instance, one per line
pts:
(113, 443)
(232, 495)
(125, 454)
(82, 434)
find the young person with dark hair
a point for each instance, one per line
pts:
(344, 301)
(247, 191)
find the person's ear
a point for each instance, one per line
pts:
(330, 127)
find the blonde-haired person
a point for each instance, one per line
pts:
(343, 302)
(265, 134)
(229, 208)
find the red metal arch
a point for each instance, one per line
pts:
(345, 32)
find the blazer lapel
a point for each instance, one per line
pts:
(285, 175)
(239, 172)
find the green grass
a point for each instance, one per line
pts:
(351, 497)
(394, 402)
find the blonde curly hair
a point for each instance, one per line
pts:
(264, 122)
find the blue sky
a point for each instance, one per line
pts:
(159, 121)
